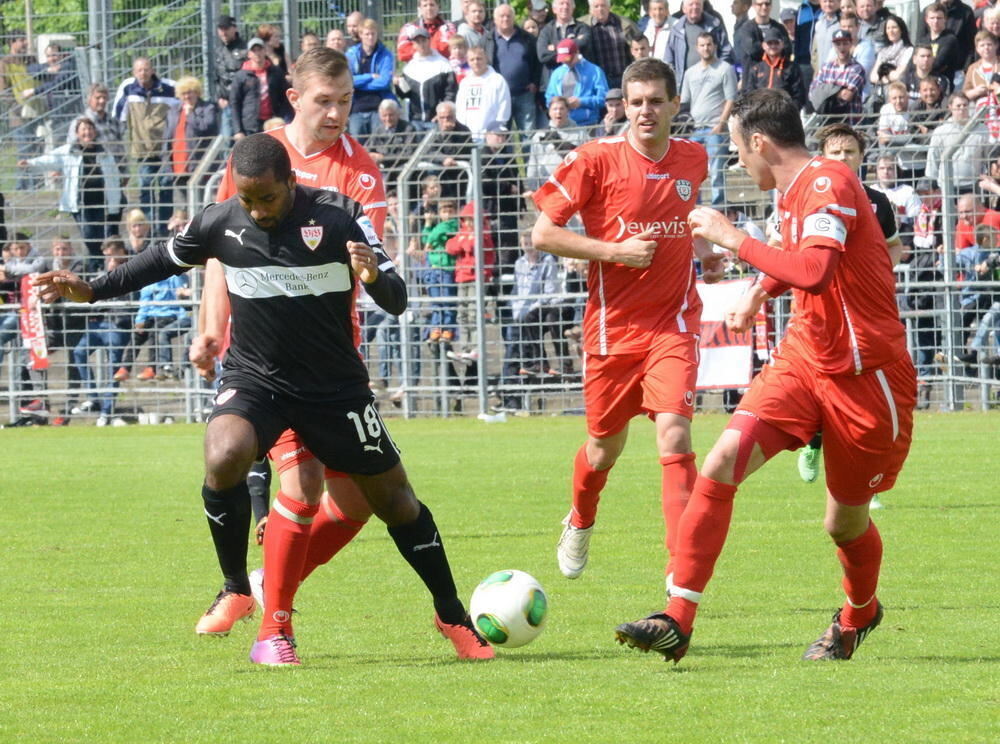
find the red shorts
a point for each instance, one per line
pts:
(618, 387)
(866, 420)
(290, 452)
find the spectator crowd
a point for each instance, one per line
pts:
(523, 92)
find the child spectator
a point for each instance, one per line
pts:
(440, 274)
(458, 57)
(160, 319)
(462, 247)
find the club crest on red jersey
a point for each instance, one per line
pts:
(683, 187)
(312, 236)
(822, 184)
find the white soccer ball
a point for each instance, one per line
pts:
(509, 608)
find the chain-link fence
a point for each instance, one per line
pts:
(491, 323)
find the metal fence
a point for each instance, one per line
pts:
(503, 336)
(506, 335)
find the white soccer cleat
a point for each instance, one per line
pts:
(573, 549)
(257, 586)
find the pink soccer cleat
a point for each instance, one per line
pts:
(276, 650)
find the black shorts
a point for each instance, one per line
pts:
(348, 435)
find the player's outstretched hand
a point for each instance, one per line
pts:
(712, 225)
(202, 353)
(55, 284)
(364, 263)
(637, 251)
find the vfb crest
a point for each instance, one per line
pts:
(312, 236)
(683, 188)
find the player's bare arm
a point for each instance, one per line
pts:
(636, 252)
(740, 317)
(53, 285)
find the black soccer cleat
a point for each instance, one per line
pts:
(658, 632)
(839, 641)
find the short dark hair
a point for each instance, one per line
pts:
(650, 68)
(261, 153)
(840, 129)
(112, 243)
(771, 112)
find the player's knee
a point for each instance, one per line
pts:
(720, 462)
(844, 524)
(304, 482)
(390, 496)
(227, 461)
(603, 453)
(349, 499)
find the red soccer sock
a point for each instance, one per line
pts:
(861, 559)
(587, 486)
(679, 474)
(331, 531)
(700, 537)
(286, 541)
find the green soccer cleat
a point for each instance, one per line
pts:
(809, 464)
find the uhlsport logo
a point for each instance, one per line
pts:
(675, 228)
(312, 236)
(876, 480)
(224, 397)
(822, 184)
(281, 616)
(689, 397)
(683, 187)
(366, 181)
(570, 157)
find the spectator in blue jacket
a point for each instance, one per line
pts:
(371, 65)
(162, 319)
(582, 83)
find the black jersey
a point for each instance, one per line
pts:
(291, 290)
(884, 212)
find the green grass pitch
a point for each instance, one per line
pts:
(107, 564)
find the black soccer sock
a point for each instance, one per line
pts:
(228, 515)
(259, 483)
(420, 544)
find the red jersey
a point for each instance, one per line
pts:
(620, 193)
(344, 167)
(853, 325)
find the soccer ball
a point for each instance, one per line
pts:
(509, 608)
